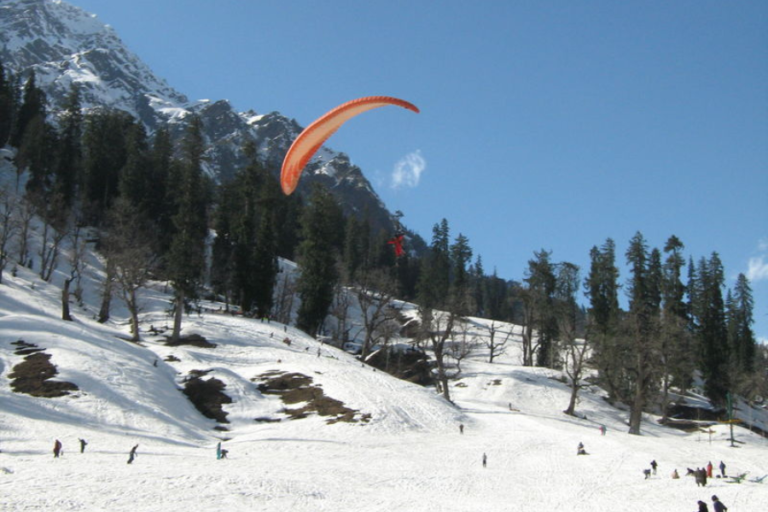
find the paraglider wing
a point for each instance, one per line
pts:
(315, 135)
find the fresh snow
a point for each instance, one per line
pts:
(410, 455)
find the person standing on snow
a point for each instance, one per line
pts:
(719, 507)
(654, 466)
(485, 460)
(709, 470)
(56, 449)
(83, 442)
(722, 469)
(132, 454)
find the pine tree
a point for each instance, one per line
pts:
(70, 154)
(159, 209)
(8, 106)
(265, 254)
(104, 156)
(712, 330)
(601, 287)
(322, 225)
(135, 179)
(460, 256)
(743, 346)
(434, 278)
(186, 258)
(675, 341)
(540, 321)
(642, 326)
(33, 106)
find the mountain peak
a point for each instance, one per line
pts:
(65, 45)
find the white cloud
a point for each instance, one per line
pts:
(757, 268)
(407, 171)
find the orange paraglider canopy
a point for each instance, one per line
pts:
(315, 135)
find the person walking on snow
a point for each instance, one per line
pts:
(132, 454)
(719, 507)
(83, 442)
(709, 470)
(702, 507)
(56, 449)
(722, 469)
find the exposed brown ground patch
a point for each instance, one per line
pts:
(296, 388)
(32, 376)
(207, 395)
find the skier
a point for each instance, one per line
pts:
(719, 507)
(702, 507)
(56, 449)
(461, 428)
(485, 462)
(653, 466)
(722, 469)
(709, 470)
(83, 442)
(218, 451)
(132, 454)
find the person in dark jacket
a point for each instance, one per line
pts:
(132, 454)
(56, 449)
(722, 469)
(702, 507)
(719, 507)
(83, 443)
(654, 466)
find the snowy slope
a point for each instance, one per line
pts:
(409, 456)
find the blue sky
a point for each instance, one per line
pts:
(544, 124)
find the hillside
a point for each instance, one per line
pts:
(383, 444)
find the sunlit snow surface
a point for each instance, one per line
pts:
(409, 457)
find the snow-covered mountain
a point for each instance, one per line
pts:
(63, 45)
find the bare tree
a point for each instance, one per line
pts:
(342, 301)
(496, 346)
(55, 219)
(107, 289)
(26, 213)
(129, 248)
(375, 296)
(447, 336)
(566, 314)
(76, 259)
(8, 227)
(529, 334)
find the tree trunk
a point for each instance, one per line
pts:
(134, 310)
(571, 410)
(636, 410)
(178, 316)
(106, 297)
(65, 301)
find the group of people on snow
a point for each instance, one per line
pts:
(716, 504)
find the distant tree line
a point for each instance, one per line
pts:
(156, 212)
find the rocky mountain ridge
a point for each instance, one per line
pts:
(64, 45)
